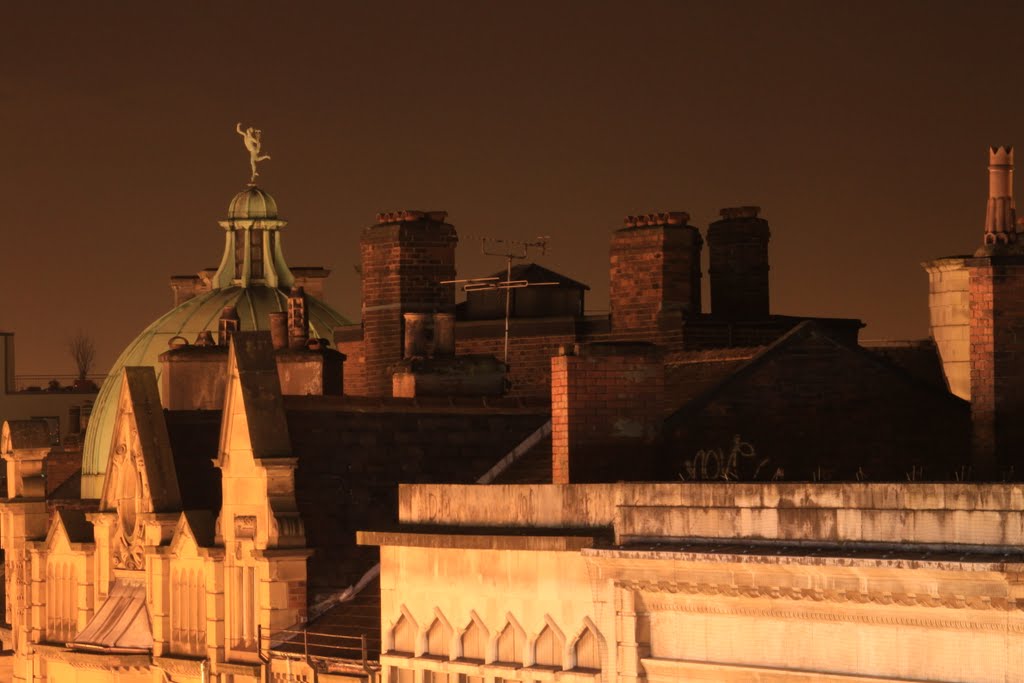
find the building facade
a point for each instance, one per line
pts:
(787, 504)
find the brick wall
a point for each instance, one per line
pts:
(606, 410)
(405, 257)
(997, 364)
(655, 275)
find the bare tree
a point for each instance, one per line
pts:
(83, 351)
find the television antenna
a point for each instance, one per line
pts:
(509, 249)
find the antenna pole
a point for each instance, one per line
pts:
(508, 300)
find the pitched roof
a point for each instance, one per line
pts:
(919, 357)
(139, 403)
(252, 357)
(690, 373)
(27, 434)
(802, 331)
(532, 272)
(121, 624)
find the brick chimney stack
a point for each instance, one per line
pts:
(654, 274)
(405, 256)
(738, 264)
(996, 286)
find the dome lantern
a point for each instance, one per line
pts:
(252, 243)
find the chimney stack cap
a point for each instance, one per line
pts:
(735, 212)
(1000, 155)
(655, 219)
(410, 216)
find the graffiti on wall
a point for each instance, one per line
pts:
(741, 462)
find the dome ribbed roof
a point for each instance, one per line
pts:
(188, 319)
(252, 203)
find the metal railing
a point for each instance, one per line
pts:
(51, 383)
(312, 643)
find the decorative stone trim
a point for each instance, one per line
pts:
(952, 601)
(98, 661)
(179, 666)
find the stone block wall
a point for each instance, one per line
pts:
(949, 307)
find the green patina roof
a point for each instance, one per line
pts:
(187, 320)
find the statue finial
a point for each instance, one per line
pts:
(251, 136)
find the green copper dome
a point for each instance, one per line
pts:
(255, 286)
(252, 203)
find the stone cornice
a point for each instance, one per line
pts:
(951, 601)
(781, 603)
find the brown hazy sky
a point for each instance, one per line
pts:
(860, 128)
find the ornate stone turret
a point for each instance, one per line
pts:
(1001, 214)
(252, 246)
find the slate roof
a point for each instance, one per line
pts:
(919, 357)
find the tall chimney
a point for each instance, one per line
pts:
(1001, 213)
(229, 322)
(654, 274)
(298, 319)
(405, 257)
(738, 264)
(996, 288)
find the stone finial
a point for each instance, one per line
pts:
(732, 213)
(1001, 213)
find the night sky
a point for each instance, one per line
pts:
(860, 129)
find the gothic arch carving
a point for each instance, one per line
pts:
(403, 634)
(473, 641)
(548, 647)
(587, 648)
(509, 642)
(436, 638)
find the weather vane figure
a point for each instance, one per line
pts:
(251, 136)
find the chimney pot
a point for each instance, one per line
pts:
(444, 334)
(229, 322)
(298, 319)
(279, 329)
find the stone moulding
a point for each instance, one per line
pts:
(951, 601)
(667, 602)
(97, 661)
